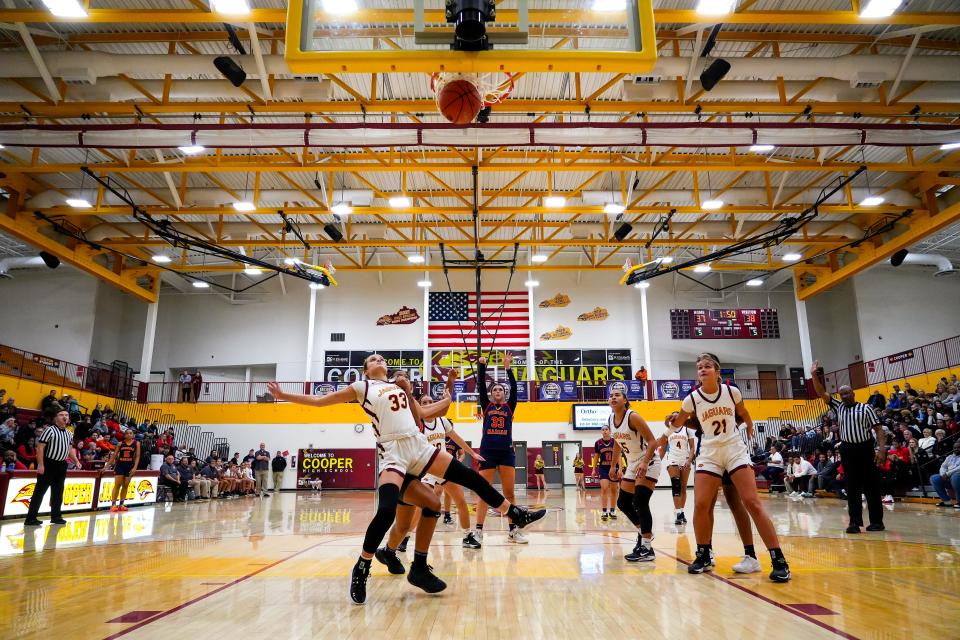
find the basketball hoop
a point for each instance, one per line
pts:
(492, 88)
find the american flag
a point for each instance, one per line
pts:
(451, 313)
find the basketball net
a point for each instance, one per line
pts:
(492, 88)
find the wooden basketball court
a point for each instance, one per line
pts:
(281, 564)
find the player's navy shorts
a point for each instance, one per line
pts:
(493, 458)
(604, 472)
(123, 469)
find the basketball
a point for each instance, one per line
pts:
(459, 101)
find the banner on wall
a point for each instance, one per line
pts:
(141, 490)
(323, 388)
(347, 366)
(674, 389)
(78, 495)
(566, 390)
(337, 468)
(632, 389)
(591, 367)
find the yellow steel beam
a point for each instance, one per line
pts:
(737, 107)
(240, 165)
(870, 254)
(26, 228)
(504, 16)
(219, 269)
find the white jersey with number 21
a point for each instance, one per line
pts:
(717, 414)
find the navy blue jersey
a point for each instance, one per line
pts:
(604, 450)
(497, 418)
(452, 447)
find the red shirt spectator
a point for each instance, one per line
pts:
(902, 452)
(27, 454)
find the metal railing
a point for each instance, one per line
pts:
(37, 367)
(936, 356)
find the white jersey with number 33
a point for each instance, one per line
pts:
(387, 406)
(717, 414)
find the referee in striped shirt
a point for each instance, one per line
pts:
(859, 426)
(53, 449)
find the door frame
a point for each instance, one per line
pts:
(557, 480)
(569, 470)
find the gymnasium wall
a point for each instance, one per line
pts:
(834, 328)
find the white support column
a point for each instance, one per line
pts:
(311, 325)
(426, 327)
(645, 328)
(806, 351)
(149, 333)
(531, 373)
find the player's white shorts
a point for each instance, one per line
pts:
(653, 469)
(677, 460)
(411, 455)
(728, 457)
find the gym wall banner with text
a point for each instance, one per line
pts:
(337, 468)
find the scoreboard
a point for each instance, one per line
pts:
(718, 324)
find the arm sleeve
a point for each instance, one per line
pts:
(872, 415)
(834, 403)
(481, 378)
(512, 401)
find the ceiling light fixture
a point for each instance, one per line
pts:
(715, 7)
(665, 259)
(761, 148)
(642, 285)
(871, 201)
(791, 257)
(291, 261)
(538, 258)
(880, 8)
(252, 271)
(339, 7)
(416, 258)
(316, 285)
(424, 283)
(161, 258)
(609, 5)
(192, 149)
(231, 7)
(532, 283)
(400, 202)
(79, 203)
(244, 205)
(950, 146)
(614, 208)
(554, 202)
(200, 284)
(754, 282)
(65, 8)
(712, 204)
(702, 268)
(342, 209)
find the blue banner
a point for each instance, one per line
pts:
(632, 389)
(436, 389)
(323, 388)
(674, 389)
(565, 390)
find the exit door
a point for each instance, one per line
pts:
(520, 450)
(570, 452)
(553, 463)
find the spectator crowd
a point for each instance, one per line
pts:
(921, 438)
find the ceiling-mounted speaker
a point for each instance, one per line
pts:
(714, 73)
(897, 258)
(331, 230)
(50, 260)
(230, 70)
(622, 231)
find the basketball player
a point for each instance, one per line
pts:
(604, 450)
(439, 432)
(717, 406)
(681, 450)
(124, 462)
(749, 562)
(578, 472)
(496, 443)
(402, 450)
(632, 437)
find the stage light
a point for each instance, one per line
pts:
(331, 230)
(416, 258)
(78, 203)
(701, 268)
(192, 149)
(712, 204)
(200, 284)
(400, 202)
(791, 257)
(161, 258)
(714, 73)
(230, 70)
(245, 205)
(871, 201)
